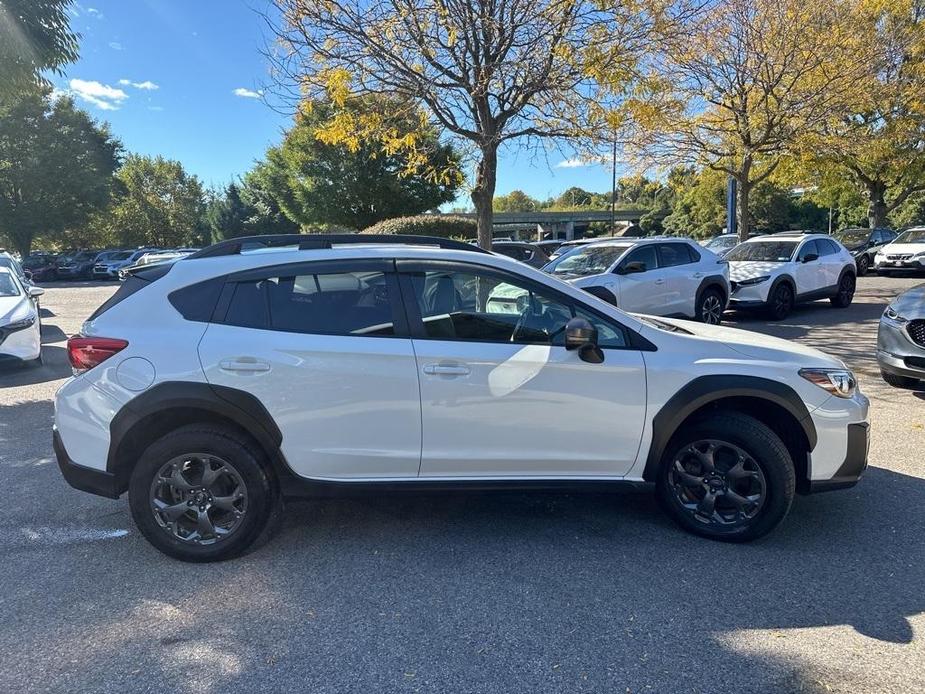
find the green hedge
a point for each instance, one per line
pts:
(426, 225)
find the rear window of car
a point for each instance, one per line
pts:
(132, 284)
(344, 303)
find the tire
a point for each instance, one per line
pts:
(863, 265)
(781, 301)
(710, 307)
(896, 381)
(845, 295)
(170, 474)
(766, 473)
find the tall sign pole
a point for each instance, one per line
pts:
(613, 189)
(731, 194)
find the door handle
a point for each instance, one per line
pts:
(446, 370)
(659, 281)
(248, 364)
(697, 275)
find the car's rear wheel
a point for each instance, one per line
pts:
(780, 303)
(900, 381)
(726, 477)
(845, 295)
(863, 265)
(202, 493)
(710, 307)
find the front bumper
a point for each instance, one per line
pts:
(24, 343)
(904, 264)
(854, 465)
(749, 295)
(83, 478)
(897, 353)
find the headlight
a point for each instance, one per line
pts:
(26, 322)
(754, 280)
(919, 255)
(892, 315)
(839, 382)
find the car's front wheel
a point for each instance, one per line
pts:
(726, 477)
(780, 303)
(202, 493)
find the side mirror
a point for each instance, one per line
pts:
(810, 257)
(35, 292)
(632, 267)
(582, 336)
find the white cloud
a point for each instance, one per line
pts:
(100, 95)
(115, 45)
(576, 163)
(248, 93)
(147, 84)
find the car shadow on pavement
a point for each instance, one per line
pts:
(55, 366)
(469, 591)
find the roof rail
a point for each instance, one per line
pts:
(321, 241)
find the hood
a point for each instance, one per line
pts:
(910, 304)
(913, 248)
(746, 269)
(758, 346)
(13, 308)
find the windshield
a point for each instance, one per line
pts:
(853, 237)
(911, 236)
(768, 251)
(122, 255)
(8, 286)
(721, 242)
(586, 260)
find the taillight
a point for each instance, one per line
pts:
(86, 352)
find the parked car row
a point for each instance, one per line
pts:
(677, 277)
(44, 266)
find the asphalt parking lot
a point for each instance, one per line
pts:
(471, 592)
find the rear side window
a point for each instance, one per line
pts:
(134, 282)
(345, 303)
(672, 254)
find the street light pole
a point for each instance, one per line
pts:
(613, 189)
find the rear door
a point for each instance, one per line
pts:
(324, 347)
(832, 260)
(683, 277)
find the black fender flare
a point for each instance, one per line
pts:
(237, 406)
(848, 271)
(780, 280)
(717, 281)
(707, 389)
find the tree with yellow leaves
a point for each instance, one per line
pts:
(487, 72)
(748, 80)
(877, 138)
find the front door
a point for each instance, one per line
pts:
(810, 273)
(323, 347)
(500, 394)
(648, 291)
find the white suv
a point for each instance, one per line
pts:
(905, 252)
(213, 388)
(657, 276)
(778, 271)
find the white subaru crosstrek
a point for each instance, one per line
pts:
(658, 276)
(213, 388)
(905, 252)
(778, 271)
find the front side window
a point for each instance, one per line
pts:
(826, 247)
(485, 307)
(346, 303)
(645, 255)
(809, 248)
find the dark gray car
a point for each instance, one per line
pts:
(528, 253)
(901, 340)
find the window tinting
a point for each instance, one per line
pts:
(826, 247)
(672, 254)
(645, 255)
(467, 306)
(808, 248)
(347, 303)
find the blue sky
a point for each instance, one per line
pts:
(181, 78)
